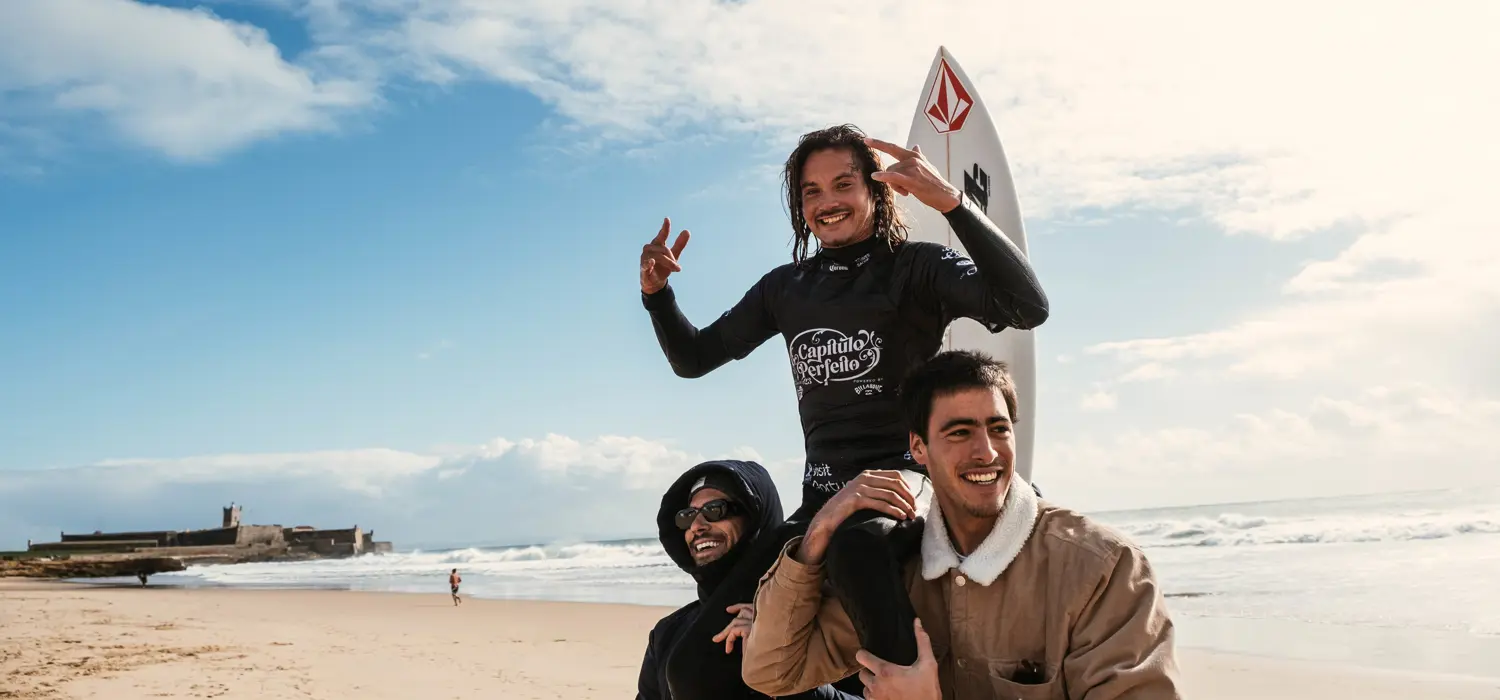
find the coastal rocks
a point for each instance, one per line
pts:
(36, 567)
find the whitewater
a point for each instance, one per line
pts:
(1330, 578)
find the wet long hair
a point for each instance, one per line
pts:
(889, 224)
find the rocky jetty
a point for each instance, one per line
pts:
(88, 567)
(143, 553)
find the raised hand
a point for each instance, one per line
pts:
(739, 627)
(913, 175)
(884, 680)
(875, 489)
(658, 261)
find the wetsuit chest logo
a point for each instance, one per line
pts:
(821, 356)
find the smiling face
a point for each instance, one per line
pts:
(836, 199)
(708, 541)
(970, 453)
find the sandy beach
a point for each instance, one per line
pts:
(80, 641)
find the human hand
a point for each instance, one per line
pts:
(914, 175)
(739, 627)
(884, 680)
(658, 261)
(877, 489)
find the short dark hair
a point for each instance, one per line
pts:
(949, 372)
(888, 220)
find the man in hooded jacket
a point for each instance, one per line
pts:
(737, 503)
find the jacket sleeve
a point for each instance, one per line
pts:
(693, 352)
(1122, 642)
(800, 639)
(995, 285)
(646, 688)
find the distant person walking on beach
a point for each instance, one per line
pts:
(453, 580)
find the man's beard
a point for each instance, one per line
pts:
(984, 510)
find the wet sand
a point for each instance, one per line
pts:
(62, 640)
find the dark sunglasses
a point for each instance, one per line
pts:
(713, 511)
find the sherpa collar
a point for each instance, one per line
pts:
(996, 552)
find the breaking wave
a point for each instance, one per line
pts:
(614, 553)
(1235, 530)
(634, 561)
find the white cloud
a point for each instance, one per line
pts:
(1386, 438)
(1147, 372)
(1108, 106)
(533, 489)
(367, 471)
(1099, 400)
(186, 83)
(1281, 120)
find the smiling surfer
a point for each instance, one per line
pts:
(856, 314)
(708, 519)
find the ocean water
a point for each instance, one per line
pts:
(1406, 580)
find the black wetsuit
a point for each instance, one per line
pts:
(855, 320)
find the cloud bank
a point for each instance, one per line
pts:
(1283, 120)
(183, 82)
(1387, 437)
(548, 489)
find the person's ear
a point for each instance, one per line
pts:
(918, 448)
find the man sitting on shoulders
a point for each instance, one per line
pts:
(1015, 597)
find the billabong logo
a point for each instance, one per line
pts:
(823, 355)
(868, 389)
(960, 261)
(949, 103)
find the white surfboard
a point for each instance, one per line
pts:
(958, 136)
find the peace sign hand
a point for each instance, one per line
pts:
(914, 175)
(658, 261)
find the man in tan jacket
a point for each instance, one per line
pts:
(1015, 597)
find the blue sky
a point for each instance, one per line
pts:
(314, 256)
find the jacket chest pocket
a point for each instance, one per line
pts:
(979, 678)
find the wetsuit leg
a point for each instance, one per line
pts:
(697, 667)
(863, 566)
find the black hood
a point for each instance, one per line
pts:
(754, 490)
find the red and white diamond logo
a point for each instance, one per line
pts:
(948, 104)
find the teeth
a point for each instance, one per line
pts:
(982, 478)
(705, 545)
(831, 220)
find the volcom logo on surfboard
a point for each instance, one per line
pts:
(823, 355)
(949, 102)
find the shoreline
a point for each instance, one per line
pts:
(1401, 650)
(107, 639)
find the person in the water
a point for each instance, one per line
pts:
(855, 314)
(709, 519)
